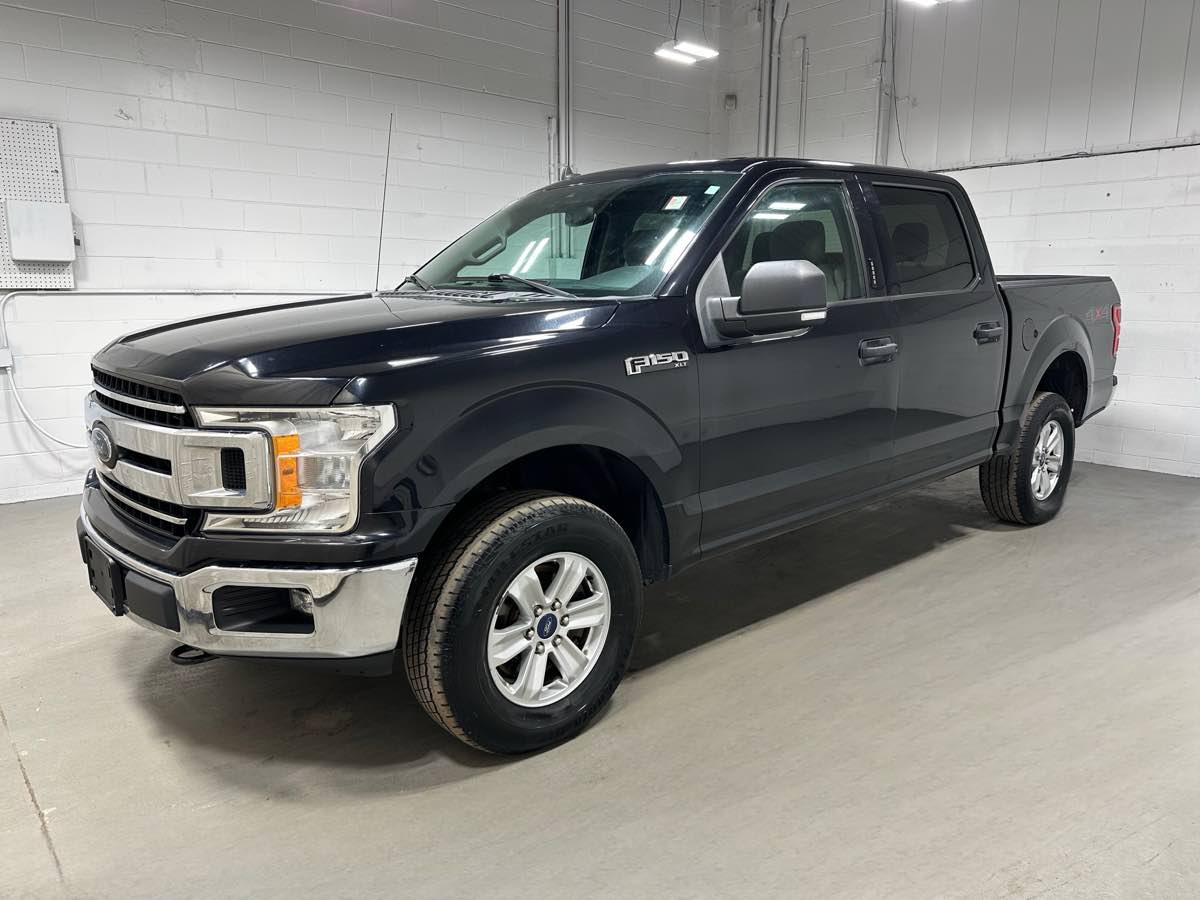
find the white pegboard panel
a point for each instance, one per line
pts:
(30, 169)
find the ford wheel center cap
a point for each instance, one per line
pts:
(547, 625)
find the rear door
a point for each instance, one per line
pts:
(797, 423)
(951, 326)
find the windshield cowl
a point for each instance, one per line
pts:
(475, 295)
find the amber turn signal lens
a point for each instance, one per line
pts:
(287, 469)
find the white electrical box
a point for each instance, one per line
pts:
(39, 231)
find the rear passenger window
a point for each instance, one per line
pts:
(798, 220)
(929, 246)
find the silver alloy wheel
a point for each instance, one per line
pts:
(549, 629)
(1047, 460)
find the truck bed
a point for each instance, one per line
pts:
(1050, 314)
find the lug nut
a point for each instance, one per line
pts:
(540, 648)
(564, 620)
(557, 641)
(529, 634)
(555, 605)
(537, 610)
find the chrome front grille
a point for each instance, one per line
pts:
(163, 471)
(155, 514)
(140, 401)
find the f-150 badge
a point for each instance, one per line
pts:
(656, 362)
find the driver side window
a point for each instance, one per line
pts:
(799, 220)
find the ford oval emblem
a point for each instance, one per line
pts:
(547, 625)
(103, 444)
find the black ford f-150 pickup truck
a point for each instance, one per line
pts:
(610, 379)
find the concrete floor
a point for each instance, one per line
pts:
(906, 701)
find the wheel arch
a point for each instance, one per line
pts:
(579, 440)
(1062, 350)
(600, 476)
(1061, 355)
(1066, 375)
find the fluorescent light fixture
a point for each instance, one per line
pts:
(697, 50)
(770, 215)
(666, 51)
(926, 3)
(788, 204)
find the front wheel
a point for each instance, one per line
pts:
(1027, 485)
(521, 626)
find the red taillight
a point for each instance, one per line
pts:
(1116, 320)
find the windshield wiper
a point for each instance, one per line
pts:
(417, 280)
(539, 286)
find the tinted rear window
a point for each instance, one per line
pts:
(928, 243)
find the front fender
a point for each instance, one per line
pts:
(502, 428)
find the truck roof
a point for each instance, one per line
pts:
(759, 164)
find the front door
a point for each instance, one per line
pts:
(796, 424)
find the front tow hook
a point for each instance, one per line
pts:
(187, 655)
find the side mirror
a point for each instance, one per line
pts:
(777, 296)
(781, 286)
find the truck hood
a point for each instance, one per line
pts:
(305, 352)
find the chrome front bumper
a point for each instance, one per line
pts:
(356, 611)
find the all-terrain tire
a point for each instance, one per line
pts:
(458, 589)
(1005, 480)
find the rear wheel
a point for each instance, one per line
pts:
(1027, 485)
(521, 627)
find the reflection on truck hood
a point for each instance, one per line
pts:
(332, 340)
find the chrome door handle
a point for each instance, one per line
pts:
(877, 350)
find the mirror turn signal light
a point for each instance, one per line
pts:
(288, 494)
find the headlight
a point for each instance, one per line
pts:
(317, 454)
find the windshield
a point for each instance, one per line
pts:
(590, 239)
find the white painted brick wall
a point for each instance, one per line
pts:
(843, 84)
(631, 106)
(225, 144)
(1134, 217)
(739, 76)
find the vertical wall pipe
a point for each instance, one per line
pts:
(883, 117)
(766, 15)
(802, 114)
(776, 62)
(564, 62)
